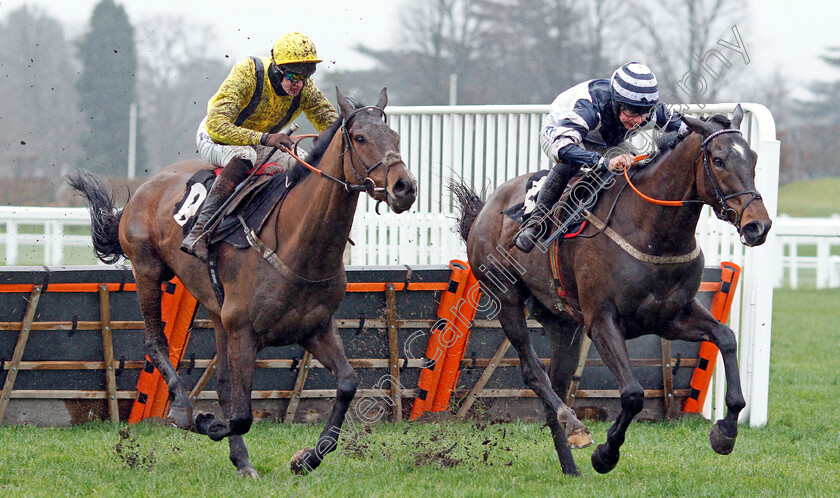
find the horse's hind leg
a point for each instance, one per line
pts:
(561, 418)
(148, 274)
(609, 340)
(327, 348)
(698, 325)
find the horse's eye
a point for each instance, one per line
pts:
(359, 139)
(718, 162)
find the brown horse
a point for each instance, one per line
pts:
(289, 302)
(636, 276)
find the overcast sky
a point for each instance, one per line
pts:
(778, 34)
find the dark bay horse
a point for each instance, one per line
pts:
(641, 282)
(291, 302)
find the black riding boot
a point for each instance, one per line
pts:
(553, 186)
(195, 243)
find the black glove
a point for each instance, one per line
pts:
(278, 140)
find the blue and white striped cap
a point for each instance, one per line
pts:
(634, 85)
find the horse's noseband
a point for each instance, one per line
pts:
(725, 210)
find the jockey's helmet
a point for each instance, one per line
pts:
(296, 53)
(633, 86)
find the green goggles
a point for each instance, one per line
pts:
(295, 78)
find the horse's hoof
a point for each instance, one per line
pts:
(298, 464)
(248, 472)
(210, 426)
(721, 443)
(601, 462)
(580, 438)
(182, 417)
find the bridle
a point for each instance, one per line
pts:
(366, 183)
(725, 210)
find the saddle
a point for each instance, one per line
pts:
(582, 192)
(253, 202)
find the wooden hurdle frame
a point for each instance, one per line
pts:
(389, 323)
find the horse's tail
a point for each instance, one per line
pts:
(104, 216)
(469, 205)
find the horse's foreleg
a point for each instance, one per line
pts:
(609, 340)
(698, 325)
(148, 278)
(562, 419)
(327, 348)
(238, 451)
(240, 351)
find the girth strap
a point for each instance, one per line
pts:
(632, 251)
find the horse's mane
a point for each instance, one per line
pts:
(320, 145)
(720, 119)
(667, 142)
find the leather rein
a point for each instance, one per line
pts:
(720, 197)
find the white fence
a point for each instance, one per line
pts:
(808, 250)
(487, 145)
(41, 232)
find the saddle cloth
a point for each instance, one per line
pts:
(253, 203)
(520, 213)
(579, 191)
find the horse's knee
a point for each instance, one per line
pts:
(241, 425)
(346, 388)
(726, 343)
(633, 401)
(528, 374)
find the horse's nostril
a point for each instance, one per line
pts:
(754, 232)
(400, 188)
(752, 228)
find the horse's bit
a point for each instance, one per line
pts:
(721, 198)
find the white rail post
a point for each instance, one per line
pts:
(757, 303)
(11, 243)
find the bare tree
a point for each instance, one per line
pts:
(437, 38)
(38, 111)
(605, 22)
(683, 40)
(824, 105)
(536, 48)
(177, 81)
(502, 51)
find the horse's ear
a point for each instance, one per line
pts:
(383, 98)
(344, 105)
(696, 125)
(737, 116)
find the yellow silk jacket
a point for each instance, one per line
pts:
(235, 94)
